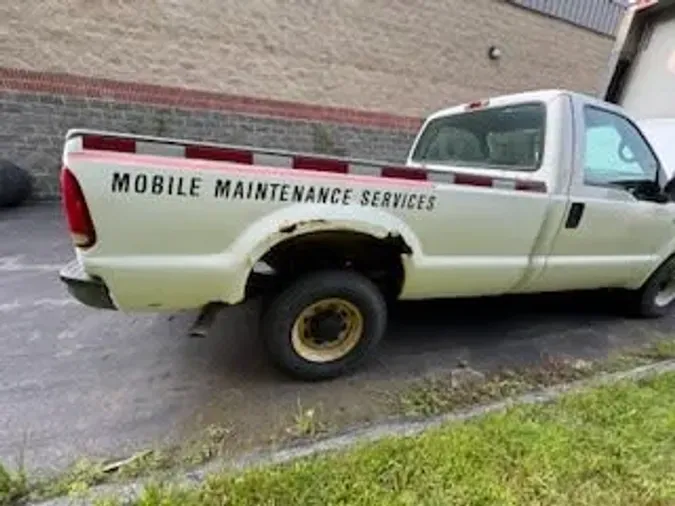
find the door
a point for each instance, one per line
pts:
(479, 238)
(613, 228)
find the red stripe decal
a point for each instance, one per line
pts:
(531, 186)
(219, 154)
(404, 173)
(473, 180)
(105, 143)
(320, 164)
(134, 160)
(324, 165)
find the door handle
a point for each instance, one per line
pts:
(575, 214)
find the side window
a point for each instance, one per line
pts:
(615, 150)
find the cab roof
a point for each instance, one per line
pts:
(501, 100)
(543, 95)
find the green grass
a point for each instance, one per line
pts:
(13, 486)
(613, 445)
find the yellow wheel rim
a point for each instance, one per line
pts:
(309, 333)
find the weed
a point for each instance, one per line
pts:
(13, 485)
(202, 448)
(306, 423)
(323, 142)
(436, 395)
(81, 476)
(210, 445)
(662, 350)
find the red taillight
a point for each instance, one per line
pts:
(76, 211)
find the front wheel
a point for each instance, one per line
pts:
(324, 324)
(657, 296)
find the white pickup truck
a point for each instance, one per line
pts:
(534, 192)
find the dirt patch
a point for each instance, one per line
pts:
(313, 410)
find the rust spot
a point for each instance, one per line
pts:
(288, 229)
(398, 242)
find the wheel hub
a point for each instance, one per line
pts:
(326, 326)
(327, 330)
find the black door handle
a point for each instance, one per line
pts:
(575, 214)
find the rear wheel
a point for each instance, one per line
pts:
(324, 324)
(657, 296)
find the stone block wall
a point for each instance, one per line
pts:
(39, 110)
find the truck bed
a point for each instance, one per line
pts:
(227, 204)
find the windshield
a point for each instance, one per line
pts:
(508, 137)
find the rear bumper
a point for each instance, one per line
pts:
(88, 290)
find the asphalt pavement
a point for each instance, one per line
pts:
(75, 381)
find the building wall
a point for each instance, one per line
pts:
(37, 111)
(294, 59)
(399, 56)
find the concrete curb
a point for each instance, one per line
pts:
(130, 491)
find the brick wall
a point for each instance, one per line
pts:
(37, 110)
(293, 74)
(398, 56)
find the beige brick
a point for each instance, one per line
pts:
(400, 56)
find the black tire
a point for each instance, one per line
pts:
(283, 310)
(15, 184)
(645, 301)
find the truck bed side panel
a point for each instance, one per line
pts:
(168, 228)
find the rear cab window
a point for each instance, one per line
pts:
(507, 138)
